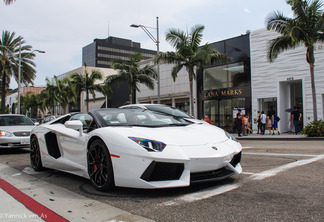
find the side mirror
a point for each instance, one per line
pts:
(74, 124)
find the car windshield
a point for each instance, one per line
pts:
(139, 117)
(168, 110)
(15, 121)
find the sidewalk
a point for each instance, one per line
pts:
(282, 136)
(25, 198)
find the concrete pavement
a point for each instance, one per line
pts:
(282, 136)
(26, 197)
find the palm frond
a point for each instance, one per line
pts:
(278, 45)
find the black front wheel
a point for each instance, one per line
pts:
(99, 166)
(35, 156)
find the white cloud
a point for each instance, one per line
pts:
(246, 10)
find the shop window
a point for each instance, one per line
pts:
(221, 112)
(226, 76)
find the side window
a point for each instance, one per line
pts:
(86, 120)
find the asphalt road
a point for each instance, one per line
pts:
(281, 181)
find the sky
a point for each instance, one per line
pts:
(62, 28)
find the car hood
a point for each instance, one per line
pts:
(191, 135)
(16, 128)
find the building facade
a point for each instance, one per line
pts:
(285, 83)
(249, 82)
(98, 102)
(173, 93)
(103, 52)
(222, 89)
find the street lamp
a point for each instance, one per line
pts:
(157, 42)
(19, 67)
(19, 71)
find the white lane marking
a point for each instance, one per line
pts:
(248, 147)
(275, 171)
(204, 194)
(281, 154)
(249, 173)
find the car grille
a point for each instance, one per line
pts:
(236, 159)
(210, 175)
(21, 133)
(158, 171)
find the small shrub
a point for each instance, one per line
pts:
(314, 129)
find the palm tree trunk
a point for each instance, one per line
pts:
(3, 94)
(87, 100)
(311, 61)
(130, 96)
(191, 93)
(311, 66)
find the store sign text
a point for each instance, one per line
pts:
(221, 93)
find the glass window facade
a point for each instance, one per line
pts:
(226, 76)
(224, 88)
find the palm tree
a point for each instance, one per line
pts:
(30, 104)
(305, 28)
(9, 62)
(8, 2)
(48, 96)
(86, 82)
(188, 54)
(131, 72)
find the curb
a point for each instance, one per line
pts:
(52, 199)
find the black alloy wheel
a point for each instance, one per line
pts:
(99, 166)
(35, 156)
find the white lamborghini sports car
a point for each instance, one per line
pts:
(136, 147)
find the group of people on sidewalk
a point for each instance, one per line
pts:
(269, 121)
(242, 123)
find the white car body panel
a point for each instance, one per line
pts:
(200, 147)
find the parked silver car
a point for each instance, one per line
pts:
(15, 131)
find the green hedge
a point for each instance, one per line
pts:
(314, 129)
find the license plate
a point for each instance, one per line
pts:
(24, 142)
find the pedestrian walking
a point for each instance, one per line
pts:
(246, 125)
(269, 123)
(263, 122)
(239, 122)
(259, 122)
(296, 116)
(274, 123)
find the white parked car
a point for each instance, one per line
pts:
(136, 148)
(15, 131)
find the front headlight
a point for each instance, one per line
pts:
(229, 136)
(5, 133)
(149, 145)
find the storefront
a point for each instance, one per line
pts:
(225, 88)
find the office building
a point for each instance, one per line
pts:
(103, 52)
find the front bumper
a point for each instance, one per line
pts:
(15, 142)
(178, 169)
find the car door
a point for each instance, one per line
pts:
(72, 143)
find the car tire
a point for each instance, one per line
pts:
(100, 166)
(35, 156)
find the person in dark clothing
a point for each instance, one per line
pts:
(239, 122)
(259, 123)
(296, 117)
